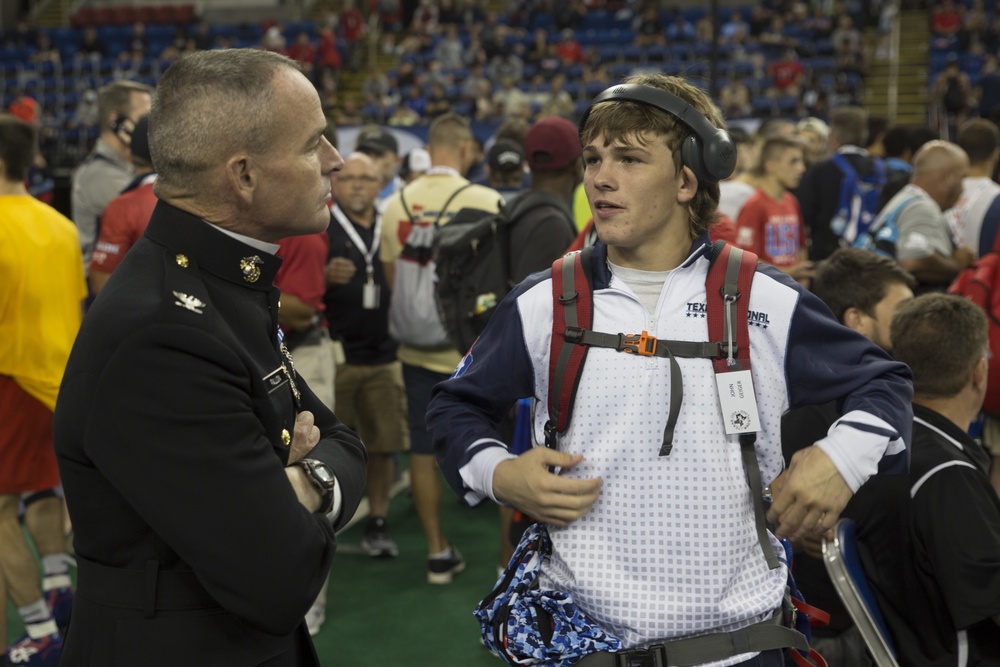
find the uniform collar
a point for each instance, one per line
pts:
(228, 256)
(960, 443)
(700, 247)
(942, 423)
(263, 246)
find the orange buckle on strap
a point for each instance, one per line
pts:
(642, 344)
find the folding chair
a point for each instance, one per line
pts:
(844, 567)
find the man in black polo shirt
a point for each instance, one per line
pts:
(930, 542)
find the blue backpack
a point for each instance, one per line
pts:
(883, 234)
(859, 197)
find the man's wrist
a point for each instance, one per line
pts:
(321, 478)
(308, 495)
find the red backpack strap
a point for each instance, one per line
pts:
(572, 310)
(728, 279)
(727, 302)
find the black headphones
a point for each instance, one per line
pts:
(118, 125)
(710, 152)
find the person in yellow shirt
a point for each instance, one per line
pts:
(41, 305)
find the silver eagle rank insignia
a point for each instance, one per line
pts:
(192, 303)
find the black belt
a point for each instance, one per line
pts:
(764, 636)
(314, 337)
(149, 590)
(311, 336)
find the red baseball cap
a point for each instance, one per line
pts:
(552, 143)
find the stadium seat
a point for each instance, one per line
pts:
(619, 71)
(597, 18)
(544, 20)
(124, 15)
(824, 47)
(693, 14)
(762, 106)
(972, 63)
(656, 53)
(593, 89)
(844, 567)
(787, 104)
(679, 50)
(146, 14)
(84, 16)
(184, 13)
(822, 64)
(610, 52)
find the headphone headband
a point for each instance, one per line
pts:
(714, 156)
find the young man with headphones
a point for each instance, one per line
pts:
(641, 547)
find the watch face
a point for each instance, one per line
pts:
(323, 473)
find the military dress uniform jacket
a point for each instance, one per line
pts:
(172, 430)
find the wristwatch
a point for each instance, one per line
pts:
(320, 476)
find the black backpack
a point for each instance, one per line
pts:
(472, 256)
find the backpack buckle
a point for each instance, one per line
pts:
(722, 349)
(642, 344)
(637, 657)
(573, 335)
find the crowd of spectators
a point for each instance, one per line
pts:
(964, 70)
(777, 58)
(773, 58)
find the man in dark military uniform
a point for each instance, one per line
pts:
(204, 479)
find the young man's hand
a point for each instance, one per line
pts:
(527, 484)
(809, 496)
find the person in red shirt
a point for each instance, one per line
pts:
(786, 74)
(352, 26)
(770, 223)
(125, 218)
(303, 52)
(570, 51)
(946, 19)
(328, 55)
(723, 229)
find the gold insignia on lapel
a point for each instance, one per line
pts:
(192, 303)
(182, 261)
(250, 266)
(286, 437)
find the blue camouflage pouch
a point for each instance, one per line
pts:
(523, 625)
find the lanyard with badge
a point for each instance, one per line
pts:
(370, 293)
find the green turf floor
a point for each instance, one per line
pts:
(383, 613)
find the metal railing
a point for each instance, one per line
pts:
(893, 91)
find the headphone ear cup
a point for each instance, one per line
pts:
(118, 124)
(693, 158)
(720, 155)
